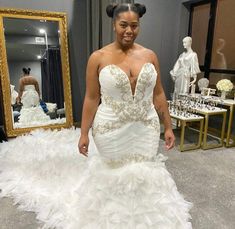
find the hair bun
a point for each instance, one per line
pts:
(141, 9)
(110, 9)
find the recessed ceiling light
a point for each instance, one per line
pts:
(42, 31)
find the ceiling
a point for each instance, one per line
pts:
(20, 38)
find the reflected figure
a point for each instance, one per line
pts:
(220, 60)
(29, 96)
(185, 68)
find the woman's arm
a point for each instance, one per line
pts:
(37, 87)
(92, 96)
(161, 106)
(21, 89)
(91, 101)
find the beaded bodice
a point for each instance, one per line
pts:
(118, 101)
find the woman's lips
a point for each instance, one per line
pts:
(128, 38)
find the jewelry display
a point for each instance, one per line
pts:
(187, 106)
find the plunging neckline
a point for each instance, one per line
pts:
(127, 77)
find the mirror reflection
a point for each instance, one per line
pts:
(35, 71)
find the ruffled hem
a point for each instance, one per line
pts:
(68, 191)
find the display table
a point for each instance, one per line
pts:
(207, 113)
(183, 123)
(230, 104)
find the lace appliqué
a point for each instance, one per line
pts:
(126, 112)
(129, 158)
(131, 109)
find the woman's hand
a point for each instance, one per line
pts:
(83, 145)
(169, 139)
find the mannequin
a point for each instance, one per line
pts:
(185, 68)
(203, 83)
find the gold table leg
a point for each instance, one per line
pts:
(200, 134)
(182, 136)
(230, 122)
(205, 132)
(210, 146)
(182, 124)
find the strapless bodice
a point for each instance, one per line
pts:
(115, 83)
(29, 87)
(119, 106)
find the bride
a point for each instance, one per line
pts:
(136, 191)
(29, 95)
(118, 181)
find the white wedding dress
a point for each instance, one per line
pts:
(122, 185)
(31, 113)
(185, 67)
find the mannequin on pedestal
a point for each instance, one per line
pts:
(185, 68)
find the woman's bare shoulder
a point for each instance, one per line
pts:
(146, 52)
(143, 49)
(99, 56)
(98, 53)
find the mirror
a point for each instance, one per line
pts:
(34, 71)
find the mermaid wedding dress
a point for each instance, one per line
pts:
(122, 185)
(31, 113)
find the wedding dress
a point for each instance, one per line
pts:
(31, 113)
(185, 67)
(122, 185)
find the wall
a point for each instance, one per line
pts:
(160, 31)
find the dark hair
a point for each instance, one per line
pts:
(113, 10)
(26, 71)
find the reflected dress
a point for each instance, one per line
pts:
(31, 112)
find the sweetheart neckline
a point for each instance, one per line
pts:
(127, 77)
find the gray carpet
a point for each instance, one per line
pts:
(205, 178)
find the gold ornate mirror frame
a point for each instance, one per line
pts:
(4, 71)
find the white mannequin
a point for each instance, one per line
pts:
(185, 68)
(203, 83)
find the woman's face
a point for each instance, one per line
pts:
(126, 27)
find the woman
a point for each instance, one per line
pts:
(128, 185)
(31, 113)
(29, 93)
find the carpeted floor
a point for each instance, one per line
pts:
(205, 178)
